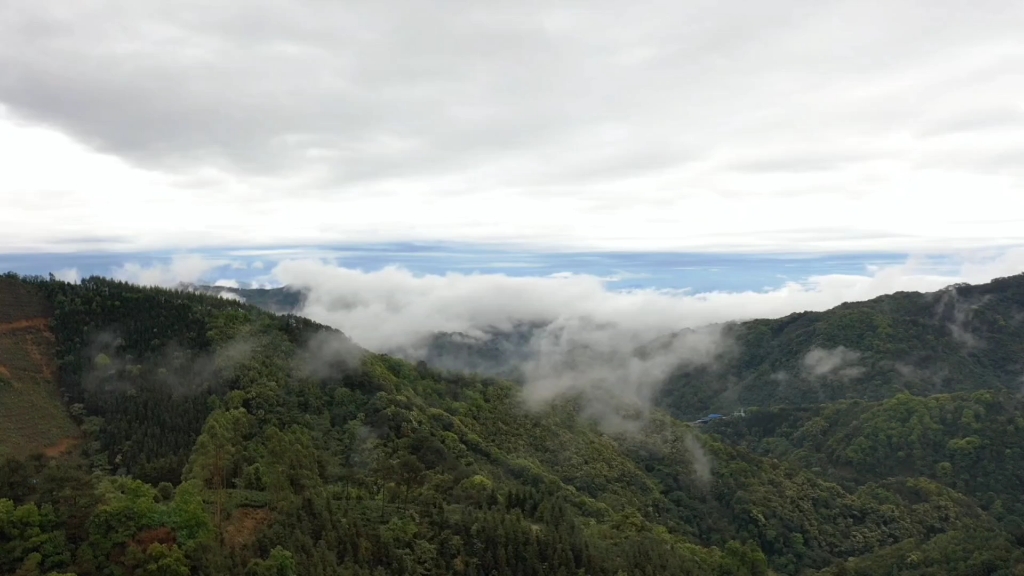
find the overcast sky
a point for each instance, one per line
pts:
(787, 125)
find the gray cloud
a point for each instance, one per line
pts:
(802, 160)
(507, 92)
(993, 118)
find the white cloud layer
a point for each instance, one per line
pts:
(393, 307)
(187, 268)
(598, 342)
(791, 125)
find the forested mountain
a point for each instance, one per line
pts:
(963, 338)
(282, 300)
(217, 438)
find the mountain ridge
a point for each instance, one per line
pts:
(963, 343)
(220, 438)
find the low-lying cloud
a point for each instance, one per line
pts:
(184, 268)
(393, 307)
(583, 337)
(177, 370)
(700, 460)
(840, 362)
(610, 366)
(328, 352)
(956, 313)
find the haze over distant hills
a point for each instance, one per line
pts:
(964, 337)
(283, 300)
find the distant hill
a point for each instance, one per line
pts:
(283, 300)
(963, 338)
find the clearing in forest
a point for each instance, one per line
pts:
(244, 526)
(32, 417)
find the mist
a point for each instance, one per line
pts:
(700, 460)
(838, 362)
(956, 312)
(393, 308)
(327, 353)
(578, 335)
(567, 334)
(617, 371)
(176, 370)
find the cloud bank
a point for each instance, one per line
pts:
(394, 307)
(614, 348)
(659, 125)
(611, 348)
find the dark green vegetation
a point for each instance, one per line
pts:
(963, 338)
(222, 439)
(970, 443)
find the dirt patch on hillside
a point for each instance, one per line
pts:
(62, 447)
(245, 524)
(34, 323)
(33, 418)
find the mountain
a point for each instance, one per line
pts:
(960, 339)
(282, 300)
(214, 437)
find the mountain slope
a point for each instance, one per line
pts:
(305, 451)
(283, 300)
(224, 439)
(963, 338)
(968, 442)
(32, 418)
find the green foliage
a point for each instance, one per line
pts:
(961, 339)
(157, 560)
(279, 563)
(221, 439)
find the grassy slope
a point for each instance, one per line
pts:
(32, 418)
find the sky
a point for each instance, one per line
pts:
(690, 146)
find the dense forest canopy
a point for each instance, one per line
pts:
(203, 435)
